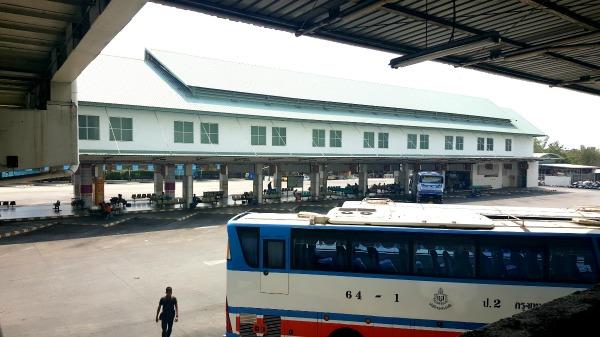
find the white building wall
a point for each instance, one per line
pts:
(153, 132)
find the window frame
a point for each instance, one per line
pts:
(424, 140)
(183, 133)
(383, 139)
(257, 138)
(368, 140)
(277, 135)
(508, 145)
(335, 138)
(411, 144)
(448, 142)
(462, 143)
(317, 140)
(489, 144)
(87, 127)
(209, 133)
(114, 131)
(480, 143)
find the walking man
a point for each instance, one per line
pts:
(170, 312)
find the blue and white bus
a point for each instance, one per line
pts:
(374, 268)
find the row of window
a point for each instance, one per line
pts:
(570, 260)
(121, 129)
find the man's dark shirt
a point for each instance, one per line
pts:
(168, 305)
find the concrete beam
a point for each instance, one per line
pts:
(103, 24)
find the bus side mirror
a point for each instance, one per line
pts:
(266, 272)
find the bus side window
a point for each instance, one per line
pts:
(572, 260)
(511, 259)
(248, 237)
(378, 254)
(444, 256)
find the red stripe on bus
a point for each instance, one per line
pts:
(325, 329)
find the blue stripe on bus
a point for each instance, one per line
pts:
(375, 228)
(426, 323)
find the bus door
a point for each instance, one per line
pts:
(274, 277)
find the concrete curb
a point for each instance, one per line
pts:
(25, 230)
(43, 218)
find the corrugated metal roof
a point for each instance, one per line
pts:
(557, 42)
(569, 166)
(209, 73)
(133, 82)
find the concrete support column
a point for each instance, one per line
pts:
(407, 168)
(76, 179)
(224, 181)
(87, 187)
(397, 176)
(277, 178)
(315, 183)
(363, 179)
(170, 180)
(474, 180)
(323, 175)
(98, 184)
(188, 185)
(258, 183)
(533, 173)
(158, 179)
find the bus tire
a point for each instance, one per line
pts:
(345, 332)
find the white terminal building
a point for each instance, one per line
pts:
(171, 109)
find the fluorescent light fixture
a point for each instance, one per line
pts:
(465, 45)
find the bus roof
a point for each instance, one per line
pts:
(384, 213)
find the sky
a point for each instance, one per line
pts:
(570, 117)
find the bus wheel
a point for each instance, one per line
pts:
(345, 332)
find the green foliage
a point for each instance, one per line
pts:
(581, 156)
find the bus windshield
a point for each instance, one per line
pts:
(431, 180)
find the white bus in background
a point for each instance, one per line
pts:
(379, 269)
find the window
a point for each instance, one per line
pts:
(89, 127)
(248, 237)
(511, 259)
(490, 144)
(508, 144)
(508, 166)
(411, 141)
(382, 140)
(379, 254)
(424, 142)
(369, 140)
(444, 256)
(278, 136)
(120, 129)
(449, 142)
(347, 251)
(209, 133)
(184, 132)
(460, 143)
(572, 260)
(258, 135)
(318, 138)
(274, 254)
(335, 138)
(480, 143)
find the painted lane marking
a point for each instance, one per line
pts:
(214, 262)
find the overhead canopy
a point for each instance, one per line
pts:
(53, 40)
(551, 42)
